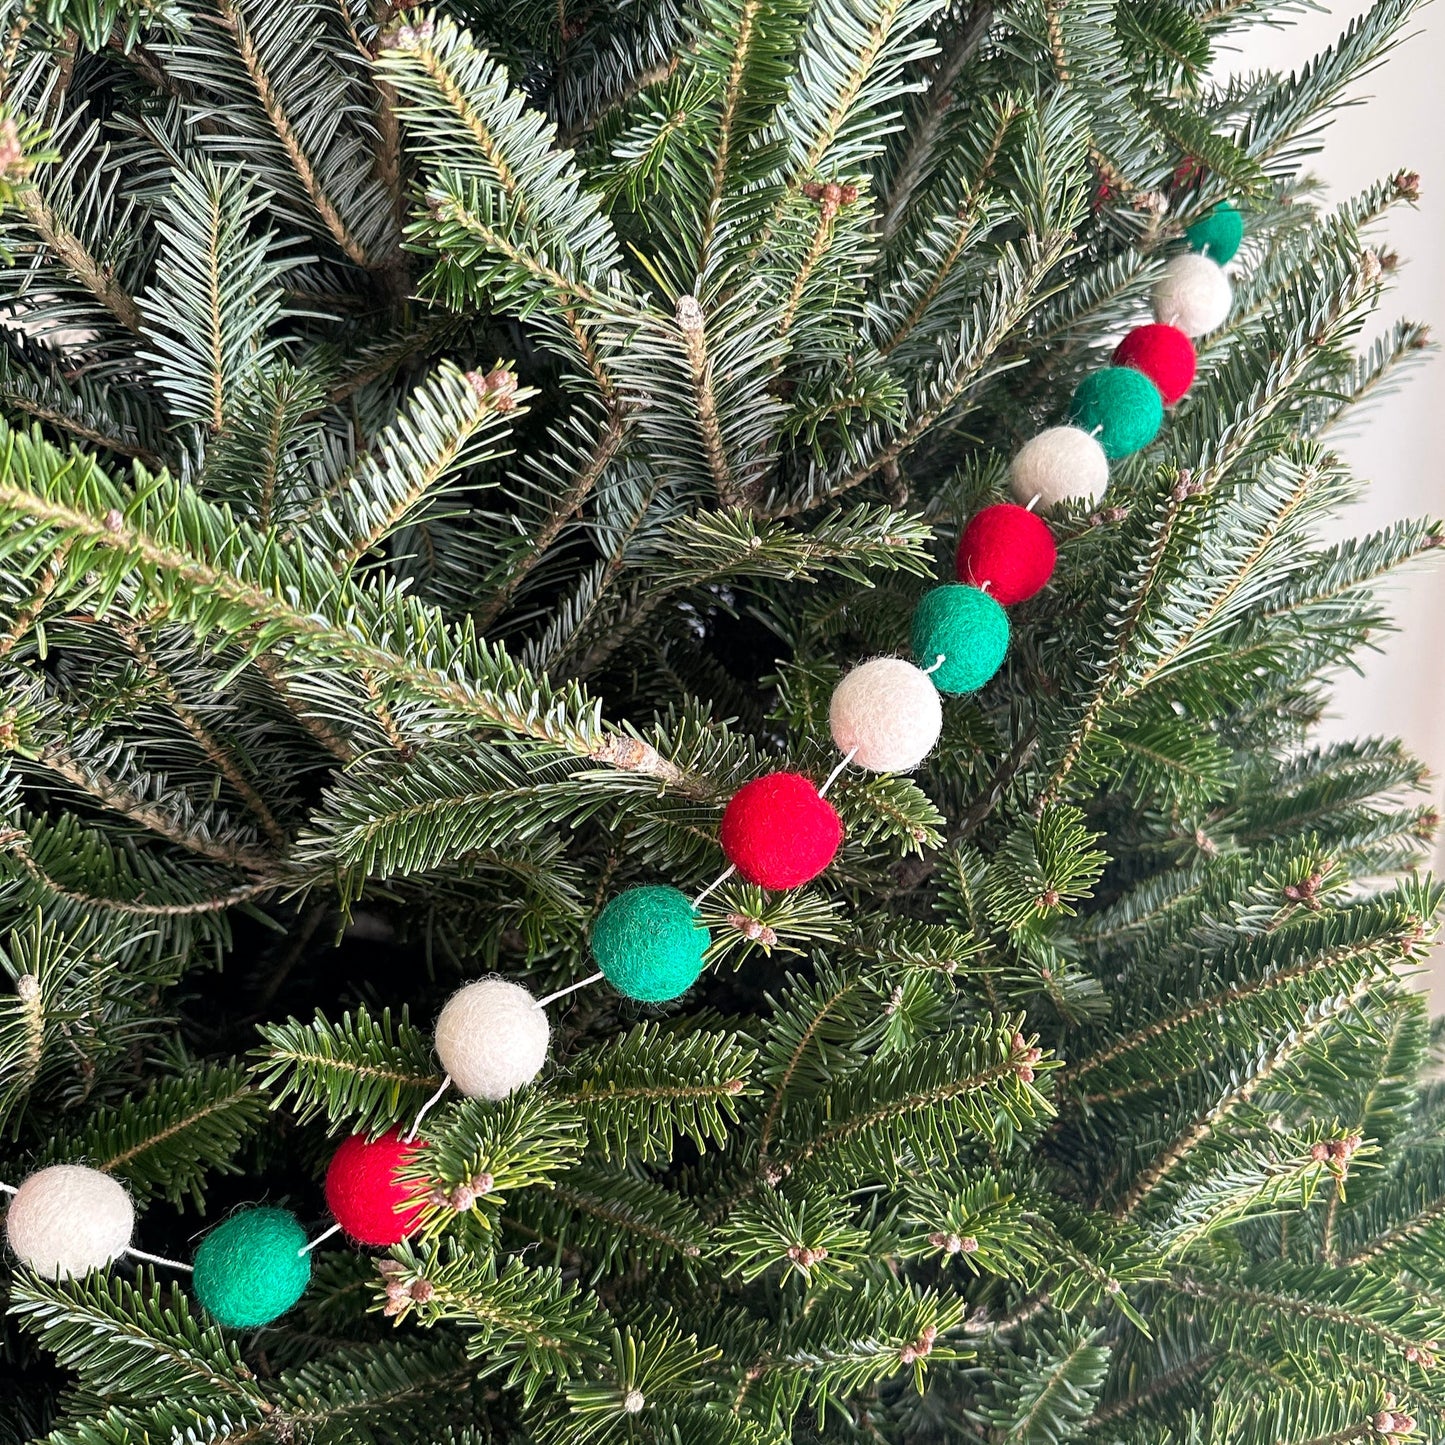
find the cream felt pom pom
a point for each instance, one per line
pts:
(887, 713)
(1062, 464)
(492, 1038)
(68, 1220)
(1193, 294)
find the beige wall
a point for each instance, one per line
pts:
(1398, 444)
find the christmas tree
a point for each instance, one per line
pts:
(445, 458)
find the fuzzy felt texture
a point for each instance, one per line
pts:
(778, 833)
(1164, 354)
(1062, 464)
(492, 1038)
(1217, 235)
(967, 629)
(67, 1220)
(886, 713)
(1008, 548)
(649, 944)
(1194, 294)
(363, 1193)
(249, 1270)
(1122, 406)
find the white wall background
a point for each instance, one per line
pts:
(1398, 444)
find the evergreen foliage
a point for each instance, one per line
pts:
(442, 456)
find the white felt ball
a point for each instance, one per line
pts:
(68, 1220)
(492, 1038)
(1062, 464)
(1193, 294)
(887, 713)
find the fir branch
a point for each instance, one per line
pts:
(581, 486)
(225, 764)
(1235, 1098)
(71, 251)
(230, 19)
(119, 799)
(925, 124)
(521, 705)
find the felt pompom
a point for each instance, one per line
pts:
(363, 1193)
(1164, 354)
(778, 832)
(1192, 294)
(1007, 550)
(967, 629)
(1122, 406)
(67, 1220)
(492, 1038)
(649, 944)
(1218, 234)
(887, 714)
(250, 1269)
(1062, 464)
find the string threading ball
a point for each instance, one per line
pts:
(1122, 406)
(365, 1196)
(1217, 235)
(1164, 354)
(67, 1220)
(492, 1038)
(1008, 548)
(250, 1269)
(887, 714)
(964, 627)
(1194, 294)
(1062, 464)
(779, 832)
(649, 944)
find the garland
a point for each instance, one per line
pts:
(778, 831)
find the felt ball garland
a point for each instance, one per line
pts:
(1164, 354)
(962, 634)
(67, 1220)
(1062, 464)
(886, 715)
(1121, 406)
(365, 1196)
(1194, 294)
(649, 945)
(492, 1038)
(1217, 235)
(777, 831)
(1009, 550)
(252, 1268)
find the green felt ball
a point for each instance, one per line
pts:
(1120, 406)
(1218, 234)
(967, 629)
(249, 1270)
(649, 944)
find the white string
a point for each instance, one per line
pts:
(325, 1234)
(833, 776)
(156, 1259)
(1096, 431)
(571, 988)
(428, 1107)
(716, 883)
(1034, 501)
(984, 585)
(942, 658)
(9, 1189)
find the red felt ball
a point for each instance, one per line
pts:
(362, 1191)
(1008, 551)
(778, 832)
(1164, 354)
